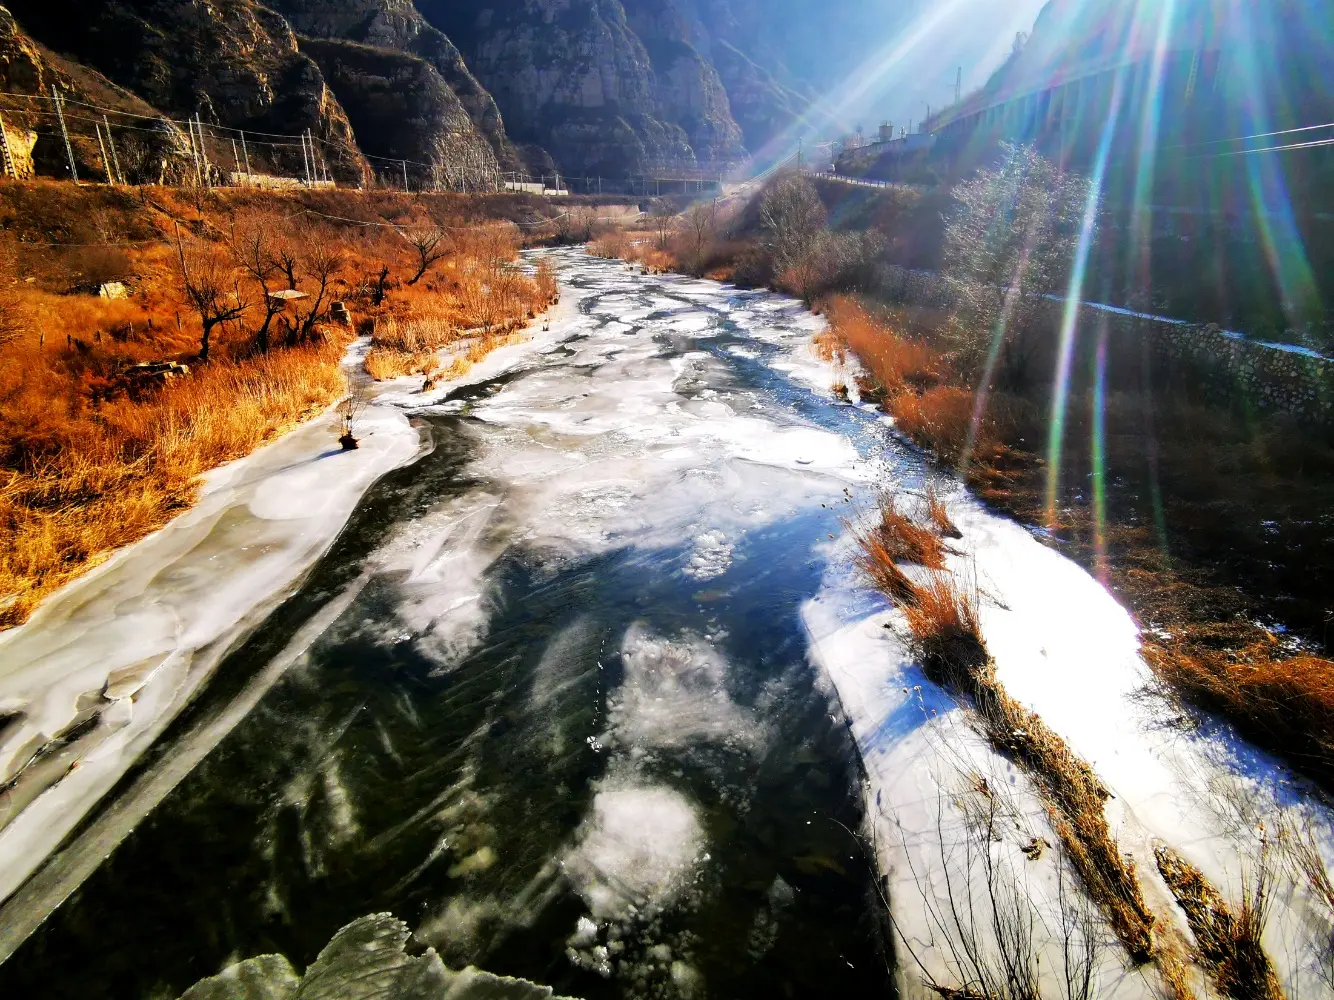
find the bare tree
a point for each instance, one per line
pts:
(431, 244)
(698, 229)
(257, 250)
(663, 217)
(1010, 239)
(792, 216)
(213, 288)
(323, 259)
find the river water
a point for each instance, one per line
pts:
(559, 716)
(591, 694)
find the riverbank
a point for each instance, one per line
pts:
(108, 662)
(1206, 516)
(150, 336)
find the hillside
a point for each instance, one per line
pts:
(593, 87)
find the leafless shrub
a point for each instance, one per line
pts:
(1010, 239)
(792, 216)
(985, 924)
(213, 288)
(430, 243)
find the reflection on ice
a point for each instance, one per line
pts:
(637, 851)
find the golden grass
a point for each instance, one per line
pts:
(476, 300)
(93, 457)
(907, 541)
(944, 625)
(1277, 693)
(895, 361)
(939, 516)
(1227, 941)
(117, 474)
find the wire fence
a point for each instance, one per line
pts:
(84, 141)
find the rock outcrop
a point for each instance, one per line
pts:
(464, 87)
(234, 62)
(574, 77)
(155, 151)
(398, 25)
(402, 109)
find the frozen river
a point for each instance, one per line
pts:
(588, 693)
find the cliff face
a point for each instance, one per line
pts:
(398, 25)
(609, 87)
(234, 62)
(155, 153)
(401, 108)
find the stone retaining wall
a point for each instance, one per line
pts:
(1223, 367)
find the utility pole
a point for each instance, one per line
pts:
(6, 154)
(799, 153)
(106, 160)
(405, 175)
(958, 86)
(203, 151)
(69, 150)
(246, 153)
(236, 158)
(194, 152)
(115, 160)
(305, 159)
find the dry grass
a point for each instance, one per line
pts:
(475, 300)
(1224, 475)
(897, 362)
(943, 623)
(939, 516)
(1285, 697)
(93, 456)
(108, 477)
(1227, 941)
(907, 541)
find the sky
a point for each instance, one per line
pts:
(916, 63)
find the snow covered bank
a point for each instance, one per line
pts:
(105, 663)
(1065, 649)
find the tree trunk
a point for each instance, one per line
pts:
(203, 341)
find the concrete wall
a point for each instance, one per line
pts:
(1219, 366)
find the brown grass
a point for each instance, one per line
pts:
(1286, 697)
(942, 619)
(896, 362)
(939, 516)
(475, 300)
(107, 478)
(1227, 941)
(1225, 474)
(92, 457)
(907, 541)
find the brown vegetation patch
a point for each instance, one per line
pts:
(939, 516)
(942, 620)
(1228, 941)
(110, 409)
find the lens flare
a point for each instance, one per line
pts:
(1074, 300)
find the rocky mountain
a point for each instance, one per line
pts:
(452, 88)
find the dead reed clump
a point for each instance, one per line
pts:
(1228, 941)
(906, 540)
(1283, 700)
(945, 629)
(896, 362)
(939, 516)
